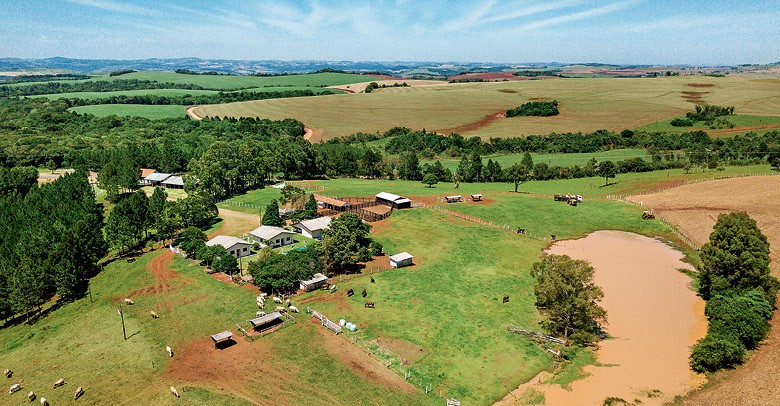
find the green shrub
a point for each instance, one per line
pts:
(681, 122)
(716, 352)
(535, 108)
(743, 317)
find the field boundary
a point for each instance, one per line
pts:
(504, 227)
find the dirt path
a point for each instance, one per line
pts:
(482, 123)
(191, 112)
(309, 133)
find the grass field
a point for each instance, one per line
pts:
(175, 92)
(124, 110)
(586, 105)
(742, 124)
(550, 159)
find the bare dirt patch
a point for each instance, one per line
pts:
(408, 352)
(507, 91)
(236, 223)
(736, 130)
(694, 209)
(701, 85)
(193, 114)
(482, 123)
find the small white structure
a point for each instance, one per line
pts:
(314, 283)
(234, 245)
(394, 201)
(272, 236)
(401, 260)
(173, 182)
(313, 228)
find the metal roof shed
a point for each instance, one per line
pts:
(222, 337)
(401, 260)
(266, 322)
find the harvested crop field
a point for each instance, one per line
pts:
(694, 209)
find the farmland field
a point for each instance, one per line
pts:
(126, 110)
(174, 92)
(550, 159)
(471, 108)
(742, 124)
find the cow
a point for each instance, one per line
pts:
(332, 288)
(44, 402)
(371, 278)
(259, 314)
(15, 387)
(552, 237)
(506, 299)
(260, 304)
(350, 292)
(281, 309)
(8, 373)
(58, 383)
(174, 392)
(129, 301)
(369, 305)
(170, 351)
(31, 396)
(154, 315)
(293, 309)
(287, 302)
(277, 300)
(79, 393)
(364, 293)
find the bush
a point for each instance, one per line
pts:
(376, 248)
(681, 122)
(535, 108)
(716, 352)
(743, 317)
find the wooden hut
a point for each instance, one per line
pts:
(454, 199)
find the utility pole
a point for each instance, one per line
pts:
(124, 332)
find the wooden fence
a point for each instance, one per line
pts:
(534, 334)
(684, 238)
(504, 227)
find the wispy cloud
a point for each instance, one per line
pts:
(580, 15)
(314, 19)
(489, 12)
(734, 20)
(115, 6)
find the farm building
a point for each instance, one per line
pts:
(222, 339)
(312, 228)
(401, 260)
(173, 182)
(266, 322)
(326, 202)
(394, 201)
(272, 236)
(156, 178)
(476, 198)
(234, 245)
(314, 283)
(454, 199)
(146, 172)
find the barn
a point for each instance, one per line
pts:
(394, 201)
(234, 245)
(173, 182)
(272, 236)
(401, 260)
(155, 179)
(313, 228)
(314, 283)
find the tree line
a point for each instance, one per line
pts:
(190, 100)
(36, 89)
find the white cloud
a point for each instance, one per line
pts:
(115, 6)
(580, 15)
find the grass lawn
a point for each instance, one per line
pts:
(742, 124)
(550, 159)
(124, 110)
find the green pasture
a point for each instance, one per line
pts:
(128, 110)
(550, 159)
(174, 92)
(742, 124)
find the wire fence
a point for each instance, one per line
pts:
(504, 227)
(689, 182)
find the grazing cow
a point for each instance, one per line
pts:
(506, 299)
(281, 309)
(174, 392)
(170, 351)
(552, 237)
(363, 293)
(58, 383)
(350, 292)
(15, 387)
(129, 302)
(372, 279)
(259, 314)
(287, 302)
(260, 304)
(154, 315)
(31, 396)
(369, 305)
(44, 402)
(277, 300)
(332, 288)
(79, 392)
(293, 309)
(8, 373)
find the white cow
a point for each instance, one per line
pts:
(288, 302)
(129, 301)
(277, 299)
(293, 309)
(58, 383)
(280, 309)
(44, 402)
(259, 314)
(79, 392)
(174, 392)
(31, 396)
(15, 387)
(170, 351)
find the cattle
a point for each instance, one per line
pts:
(332, 288)
(58, 383)
(552, 237)
(260, 304)
(369, 305)
(129, 302)
(44, 402)
(79, 393)
(506, 299)
(293, 309)
(287, 302)
(350, 292)
(8, 373)
(170, 351)
(281, 309)
(174, 392)
(31, 396)
(277, 300)
(154, 315)
(259, 314)
(364, 293)
(371, 278)
(15, 387)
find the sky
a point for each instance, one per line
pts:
(696, 32)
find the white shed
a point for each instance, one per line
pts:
(313, 228)
(273, 236)
(314, 283)
(401, 260)
(234, 245)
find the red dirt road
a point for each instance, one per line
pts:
(191, 112)
(482, 123)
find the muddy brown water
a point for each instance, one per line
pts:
(654, 317)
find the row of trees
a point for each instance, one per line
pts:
(191, 100)
(34, 89)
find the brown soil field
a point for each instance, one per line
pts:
(694, 209)
(497, 76)
(192, 113)
(236, 223)
(361, 87)
(484, 122)
(701, 85)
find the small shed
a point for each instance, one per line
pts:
(401, 260)
(454, 199)
(222, 338)
(266, 322)
(476, 198)
(316, 281)
(313, 228)
(173, 182)
(394, 201)
(234, 245)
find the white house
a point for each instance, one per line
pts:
(273, 236)
(314, 283)
(234, 245)
(313, 228)
(401, 260)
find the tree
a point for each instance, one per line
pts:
(191, 240)
(282, 272)
(223, 261)
(409, 168)
(774, 156)
(741, 316)
(310, 209)
(517, 174)
(271, 215)
(28, 287)
(120, 231)
(715, 352)
(475, 167)
(345, 243)
(736, 259)
(568, 298)
(430, 179)
(157, 209)
(607, 170)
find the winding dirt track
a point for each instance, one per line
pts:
(191, 112)
(694, 210)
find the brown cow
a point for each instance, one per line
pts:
(369, 305)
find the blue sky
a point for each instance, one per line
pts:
(611, 31)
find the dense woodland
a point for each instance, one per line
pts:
(191, 100)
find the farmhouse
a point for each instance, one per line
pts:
(401, 260)
(312, 228)
(272, 236)
(234, 245)
(173, 182)
(156, 178)
(314, 283)
(394, 201)
(454, 199)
